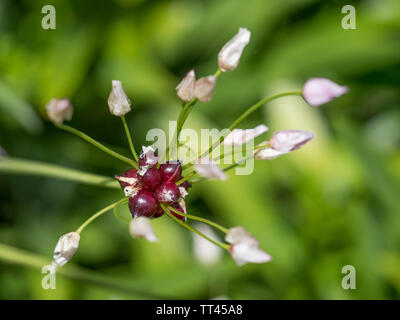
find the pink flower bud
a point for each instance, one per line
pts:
(66, 247)
(318, 91)
(59, 110)
(238, 136)
(229, 56)
(204, 88)
(208, 169)
(285, 141)
(140, 227)
(118, 101)
(267, 154)
(185, 89)
(244, 247)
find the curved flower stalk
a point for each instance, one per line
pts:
(153, 188)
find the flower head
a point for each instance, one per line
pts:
(207, 168)
(118, 101)
(237, 137)
(204, 88)
(244, 247)
(140, 227)
(185, 89)
(229, 56)
(66, 247)
(59, 110)
(318, 91)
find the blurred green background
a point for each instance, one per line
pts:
(335, 202)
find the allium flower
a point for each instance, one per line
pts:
(206, 253)
(244, 247)
(118, 101)
(204, 88)
(239, 136)
(59, 110)
(229, 56)
(283, 142)
(208, 168)
(66, 247)
(140, 227)
(185, 89)
(318, 91)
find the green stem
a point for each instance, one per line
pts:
(99, 213)
(200, 219)
(29, 167)
(97, 144)
(185, 225)
(115, 210)
(16, 256)
(128, 135)
(249, 111)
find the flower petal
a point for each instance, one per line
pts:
(318, 91)
(59, 110)
(207, 168)
(204, 88)
(267, 154)
(66, 247)
(118, 101)
(185, 89)
(244, 252)
(289, 140)
(140, 227)
(239, 136)
(229, 55)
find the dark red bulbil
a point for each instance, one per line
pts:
(167, 192)
(150, 179)
(171, 171)
(148, 159)
(144, 203)
(132, 173)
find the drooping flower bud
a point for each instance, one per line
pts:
(206, 253)
(66, 247)
(207, 168)
(204, 88)
(118, 101)
(229, 56)
(140, 227)
(244, 247)
(239, 136)
(290, 140)
(59, 110)
(185, 89)
(267, 154)
(318, 91)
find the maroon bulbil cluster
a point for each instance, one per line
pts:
(153, 184)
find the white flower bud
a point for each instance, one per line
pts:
(59, 110)
(238, 136)
(318, 91)
(244, 247)
(185, 89)
(204, 88)
(140, 227)
(66, 247)
(206, 253)
(118, 101)
(267, 154)
(229, 56)
(289, 140)
(207, 168)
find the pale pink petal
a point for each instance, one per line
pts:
(140, 227)
(207, 168)
(240, 234)
(285, 141)
(244, 252)
(318, 91)
(229, 55)
(267, 154)
(204, 88)
(239, 136)
(59, 110)
(185, 89)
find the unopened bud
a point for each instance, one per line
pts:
(59, 110)
(185, 89)
(229, 56)
(118, 101)
(66, 247)
(318, 91)
(204, 88)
